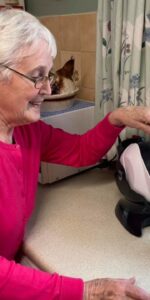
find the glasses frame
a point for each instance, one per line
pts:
(41, 80)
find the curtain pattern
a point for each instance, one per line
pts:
(123, 56)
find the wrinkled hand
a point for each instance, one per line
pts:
(114, 289)
(132, 116)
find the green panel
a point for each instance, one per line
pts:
(60, 7)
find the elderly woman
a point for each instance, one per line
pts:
(27, 50)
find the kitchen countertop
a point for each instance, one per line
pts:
(74, 231)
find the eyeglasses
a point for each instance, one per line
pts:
(38, 82)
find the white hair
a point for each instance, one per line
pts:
(19, 30)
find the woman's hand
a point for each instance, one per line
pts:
(114, 289)
(132, 116)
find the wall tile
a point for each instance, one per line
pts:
(57, 61)
(88, 31)
(53, 24)
(86, 94)
(88, 61)
(76, 36)
(70, 37)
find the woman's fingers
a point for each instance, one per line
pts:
(132, 116)
(135, 292)
(114, 289)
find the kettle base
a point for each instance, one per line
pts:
(133, 216)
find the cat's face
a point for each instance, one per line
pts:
(63, 74)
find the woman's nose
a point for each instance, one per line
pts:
(46, 88)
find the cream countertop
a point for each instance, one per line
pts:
(74, 231)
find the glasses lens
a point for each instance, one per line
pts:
(40, 81)
(51, 78)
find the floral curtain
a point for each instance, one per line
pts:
(123, 57)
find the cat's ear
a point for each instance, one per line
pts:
(68, 69)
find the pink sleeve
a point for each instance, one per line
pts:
(20, 282)
(78, 150)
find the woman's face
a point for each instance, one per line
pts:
(20, 101)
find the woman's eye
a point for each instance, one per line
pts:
(36, 77)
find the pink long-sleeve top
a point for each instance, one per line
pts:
(19, 167)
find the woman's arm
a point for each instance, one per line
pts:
(87, 149)
(20, 282)
(75, 150)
